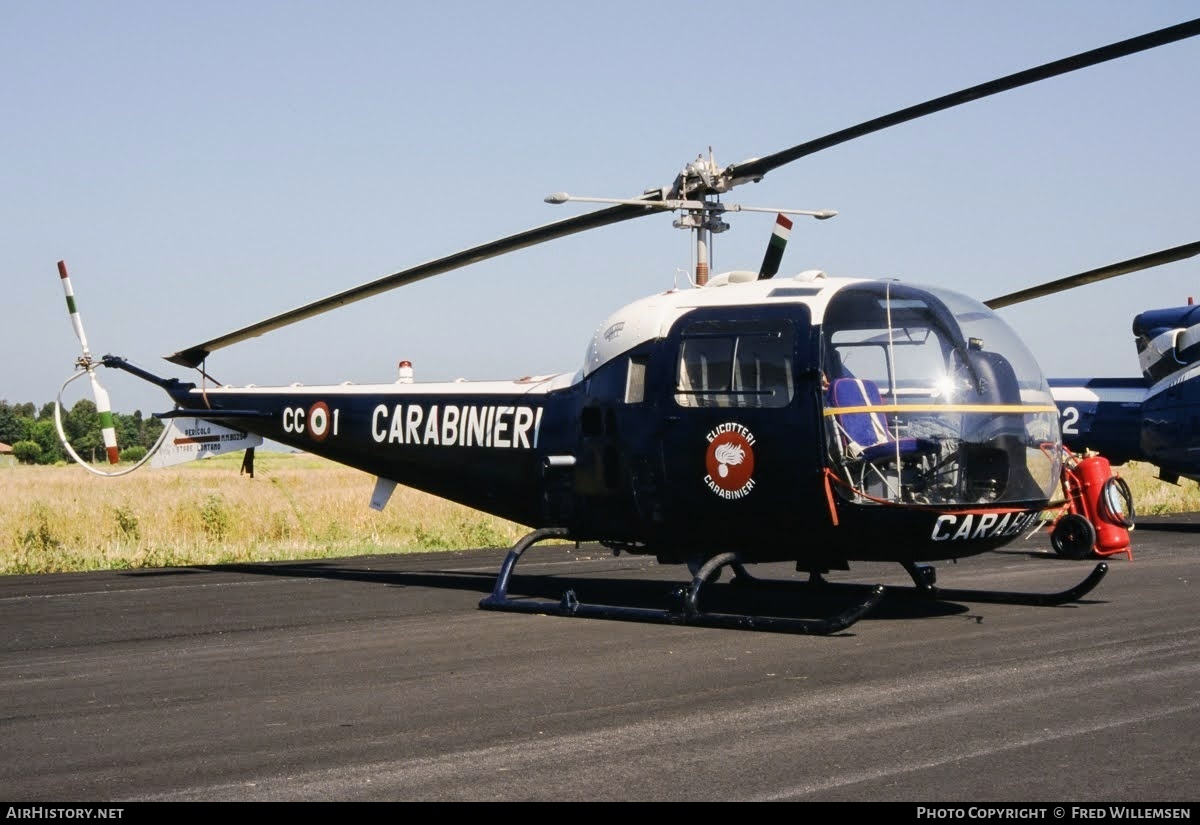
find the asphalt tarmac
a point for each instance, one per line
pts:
(380, 678)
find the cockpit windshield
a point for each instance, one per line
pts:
(930, 398)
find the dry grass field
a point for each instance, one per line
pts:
(63, 518)
(55, 519)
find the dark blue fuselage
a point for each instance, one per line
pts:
(713, 437)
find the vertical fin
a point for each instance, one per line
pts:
(779, 239)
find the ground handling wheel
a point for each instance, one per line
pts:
(1073, 537)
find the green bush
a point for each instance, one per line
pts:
(27, 452)
(214, 517)
(132, 454)
(39, 535)
(126, 521)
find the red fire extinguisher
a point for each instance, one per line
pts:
(1099, 512)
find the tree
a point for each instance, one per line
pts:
(12, 428)
(151, 429)
(129, 431)
(45, 435)
(82, 426)
(81, 419)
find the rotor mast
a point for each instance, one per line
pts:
(704, 219)
(696, 193)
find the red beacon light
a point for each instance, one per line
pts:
(406, 373)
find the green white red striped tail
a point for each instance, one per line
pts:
(779, 239)
(107, 427)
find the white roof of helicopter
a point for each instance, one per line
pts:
(645, 319)
(652, 317)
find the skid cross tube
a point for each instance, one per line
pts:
(690, 612)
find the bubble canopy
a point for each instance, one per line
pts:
(933, 400)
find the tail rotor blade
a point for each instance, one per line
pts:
(775, 247)
(108, 428)
(76, 321)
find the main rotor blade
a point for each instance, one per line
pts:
(754, 169)
(757, 168)
(1166, 256)
(194, 356)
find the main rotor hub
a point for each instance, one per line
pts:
(703, 177)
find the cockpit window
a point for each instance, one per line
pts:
(725, 364)
(933, 400)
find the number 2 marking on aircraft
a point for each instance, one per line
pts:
(1070, 417)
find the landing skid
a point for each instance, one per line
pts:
(689, 611)
(924, 577)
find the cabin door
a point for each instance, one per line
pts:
(741, 428)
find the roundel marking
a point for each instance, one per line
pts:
(318, 421)
(730, 462)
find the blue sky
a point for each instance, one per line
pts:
(203, 166)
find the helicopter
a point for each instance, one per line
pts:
(750, 418)
(1148, 418)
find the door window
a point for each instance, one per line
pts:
(742, 365)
